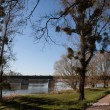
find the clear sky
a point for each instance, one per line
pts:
(32, 58)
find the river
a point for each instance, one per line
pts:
(32, 88)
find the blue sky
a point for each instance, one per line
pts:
(32, 58)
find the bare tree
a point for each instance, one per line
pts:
(89, 20)
(11, 19)
(92, 73)
(98, 69)
(65, 73)
(91, 79)
(9, 23)
(103, 67)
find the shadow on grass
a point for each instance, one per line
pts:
(46, 103)
(36, 103)
(94, 89)
(25, 103)
(107, 92)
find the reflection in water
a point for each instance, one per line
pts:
(17, 88)
(24, 87)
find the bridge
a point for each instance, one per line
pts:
(25, 80)
(28, 77)
(48, 77)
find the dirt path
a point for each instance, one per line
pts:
(102, 104)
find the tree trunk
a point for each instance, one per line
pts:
(104, 85)
(93, 85)
(1, 82)
(1, 93)
(81, 86)
(74, 85)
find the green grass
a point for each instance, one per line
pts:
(65, 100)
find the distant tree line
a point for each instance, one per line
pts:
(12, 73)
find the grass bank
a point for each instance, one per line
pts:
(64, 100)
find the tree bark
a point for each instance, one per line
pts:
(1, 82)
(81, 86)
(82, 73)
(0, 93)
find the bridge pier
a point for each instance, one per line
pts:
(25, 82)
(51, 85)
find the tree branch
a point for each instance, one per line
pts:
(32, 11)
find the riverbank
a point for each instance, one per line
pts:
(63, 100)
